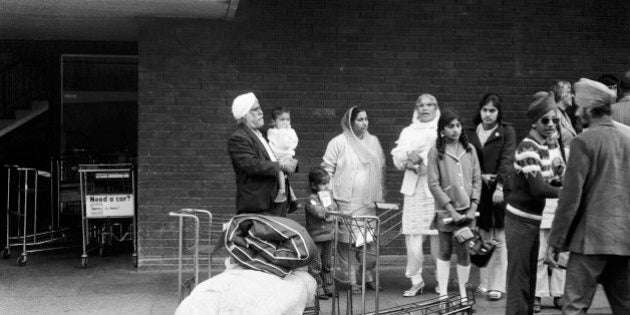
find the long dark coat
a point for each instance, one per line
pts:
(495, 157)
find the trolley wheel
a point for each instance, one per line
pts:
(83, 262)
(6, 253)
(21, 261)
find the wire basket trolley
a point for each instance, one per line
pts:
(108, 207)
(185, 286)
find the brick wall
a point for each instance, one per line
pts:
(320, 57)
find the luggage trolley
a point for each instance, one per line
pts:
(23, 210)
(107, 202)
(367, 229)
(363, 230)
(187, 285)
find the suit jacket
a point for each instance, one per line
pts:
(621, 111)
(495, 157)
(567, 131)
(593, 214)
(256, 174)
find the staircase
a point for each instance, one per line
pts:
(22, 90)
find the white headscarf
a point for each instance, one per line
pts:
(416, 123)
(368, 152)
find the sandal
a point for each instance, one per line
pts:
(494, 295)
(537, 306)
(414, 290)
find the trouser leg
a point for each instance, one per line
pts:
(616, 281)
(315, 269)
(485, 273)
(558, 277)
(326, 273)
(582, 274)
(522, 248)
(415, 258)
(499, 270)
(492, 277)
(542, 269)
(344, 270)
(370, 262)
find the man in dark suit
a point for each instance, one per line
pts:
(254, 163)
(593, 216)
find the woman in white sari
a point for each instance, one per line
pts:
(410, 155)
(355, 162)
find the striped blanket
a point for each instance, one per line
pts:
(275, 245)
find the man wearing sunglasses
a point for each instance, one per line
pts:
(530, 189)
(593, 216)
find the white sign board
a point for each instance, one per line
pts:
(103, 206)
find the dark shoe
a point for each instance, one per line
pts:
(322, 297)
(372, 286)
(494, 295)
(537, 306)
(557, 302)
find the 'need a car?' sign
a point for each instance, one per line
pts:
(103, 206)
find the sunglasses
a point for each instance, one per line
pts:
(546, 120)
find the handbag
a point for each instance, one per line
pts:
(481, 251)
(463, 235)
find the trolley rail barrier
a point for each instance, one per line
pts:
(185, 286)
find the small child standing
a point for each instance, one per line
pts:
(283, 140)
(454, 178)
(321, 226)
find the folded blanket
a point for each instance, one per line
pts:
(275, 245)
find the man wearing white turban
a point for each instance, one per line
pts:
(254, 163)
(593, 216)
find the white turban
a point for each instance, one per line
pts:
(242, 104)
(591, 94)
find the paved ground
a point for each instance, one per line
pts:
(56, 284)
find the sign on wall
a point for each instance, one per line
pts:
(115, 205)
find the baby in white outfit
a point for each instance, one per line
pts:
(283, 140)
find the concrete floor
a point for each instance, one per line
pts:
(55, 283)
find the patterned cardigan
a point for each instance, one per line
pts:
(530, 183)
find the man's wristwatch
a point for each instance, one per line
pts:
(499, 188)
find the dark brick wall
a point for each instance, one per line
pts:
(320, 57)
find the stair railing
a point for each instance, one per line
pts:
(20, 84)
